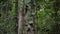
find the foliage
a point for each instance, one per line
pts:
(7, 18)
(44, 16)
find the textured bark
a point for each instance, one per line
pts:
(21, 17)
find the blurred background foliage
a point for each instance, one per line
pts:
(44, 18)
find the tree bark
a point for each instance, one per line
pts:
(21, 17)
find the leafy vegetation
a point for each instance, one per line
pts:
(47, 16)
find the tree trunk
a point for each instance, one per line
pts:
(21, 17)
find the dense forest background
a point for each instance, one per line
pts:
(46, 16)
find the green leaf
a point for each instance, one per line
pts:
(27, 1)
